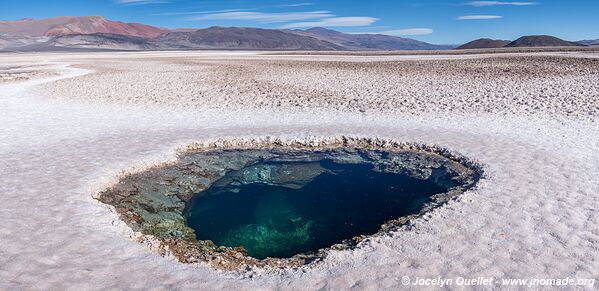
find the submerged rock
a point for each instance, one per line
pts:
(292, 176)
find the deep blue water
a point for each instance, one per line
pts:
(274, 221)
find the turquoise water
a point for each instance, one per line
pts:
(340, 202)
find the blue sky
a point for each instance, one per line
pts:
(436, 21)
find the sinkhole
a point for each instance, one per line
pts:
(285, 204)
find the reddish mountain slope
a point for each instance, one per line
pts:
(76, 25)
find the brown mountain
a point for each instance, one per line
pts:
(361, 42)
(76, 25)
(484, 43)
(540, 41)
(243, 38)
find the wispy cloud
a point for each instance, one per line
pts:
(296, 5)
(498, 3)
(287, 19)
(334, 22)
(479, 17)
(409, 31)
(140, 2)
(400, 32)
(264, 17)
(199, 12)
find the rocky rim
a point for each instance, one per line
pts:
(152, 202)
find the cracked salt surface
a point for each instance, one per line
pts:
(536, 214)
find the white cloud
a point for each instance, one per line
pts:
(199, 12)
(264, 17)
(401, 32)
(498, 3)
(479, 17)
(296, 5)
(334, 22)
(408, 31)
(292, 19)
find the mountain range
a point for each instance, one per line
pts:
(99, 33)
(96, 32)
(360, 42)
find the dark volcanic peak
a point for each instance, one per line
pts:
(541, 41)
(484, 43)
(244, 38)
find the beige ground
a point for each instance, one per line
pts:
(530, 119)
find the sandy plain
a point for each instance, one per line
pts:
(529, 118)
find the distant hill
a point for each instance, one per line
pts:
(484, 43)
(540, 41)
(360, 42)
(243, 38)
(589, 42)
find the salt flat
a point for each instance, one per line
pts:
(529, 118)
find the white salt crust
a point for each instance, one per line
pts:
(534, 215)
